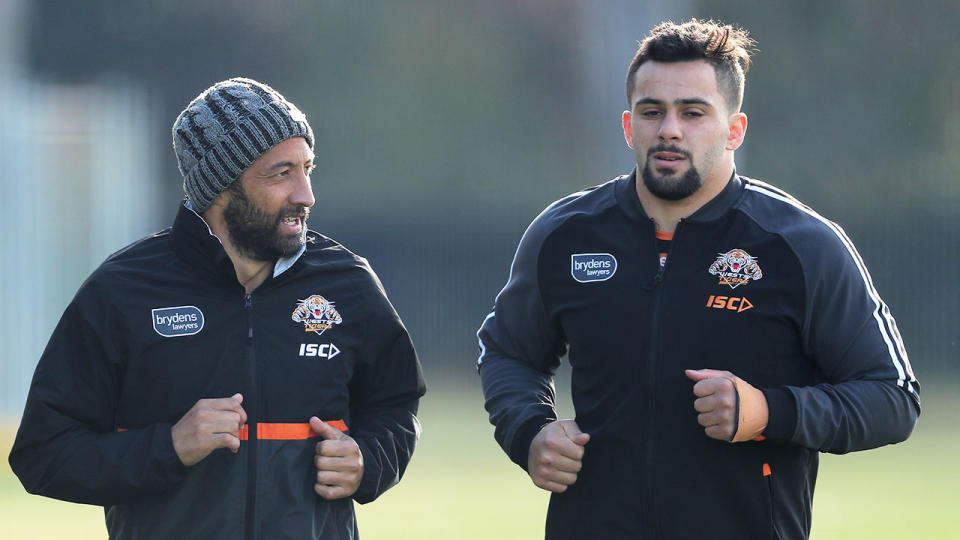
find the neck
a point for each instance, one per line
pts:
(667, 214)
(250, 273)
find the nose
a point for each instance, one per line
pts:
(670, 128)
(302, 194)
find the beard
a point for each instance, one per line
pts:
(256, 233)
(670, 186)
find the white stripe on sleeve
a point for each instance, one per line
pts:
(885, 322)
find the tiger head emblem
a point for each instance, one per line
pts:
(316, 313)
(736, 267)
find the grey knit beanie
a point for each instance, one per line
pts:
(225, 129)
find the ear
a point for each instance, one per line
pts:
(627, 128)
(737, 131)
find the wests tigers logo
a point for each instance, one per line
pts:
(317, 314)
(736, 267)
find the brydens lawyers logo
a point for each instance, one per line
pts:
(177, 321)
(317, 314)
(587, 267)
(736, 267)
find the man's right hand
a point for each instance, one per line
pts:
(208, 425)
(555, 455)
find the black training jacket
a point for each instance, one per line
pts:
(755, 283)
(164, 323)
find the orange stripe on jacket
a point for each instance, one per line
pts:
(282, 431)
(286, 431)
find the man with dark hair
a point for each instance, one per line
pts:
(725, 48)
(235, 375)
(720, 333)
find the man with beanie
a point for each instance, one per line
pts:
(235, 375)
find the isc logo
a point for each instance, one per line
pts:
(323, 350)
(733, 303)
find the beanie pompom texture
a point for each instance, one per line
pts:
(225, 129)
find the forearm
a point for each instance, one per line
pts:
(519, 399)
(387, 437)
(79, 465)
(842, 417)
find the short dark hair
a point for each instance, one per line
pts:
(725, 47)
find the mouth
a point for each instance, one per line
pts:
(292, 224)
(668, 160)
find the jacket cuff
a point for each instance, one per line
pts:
(782, 409)
(520, 447)
(173, 468)
(369, 488)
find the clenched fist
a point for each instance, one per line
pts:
(338, 461)
(555, 455)
(208, 425)
(730, 408)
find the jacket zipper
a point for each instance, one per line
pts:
(651, 401)
(249, 404)
(767, 475)
(654, 356)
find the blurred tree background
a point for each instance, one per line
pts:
(444, 127)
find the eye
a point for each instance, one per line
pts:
(693, 113)
(651, 113)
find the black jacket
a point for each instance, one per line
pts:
(755, 283)
(164, 323)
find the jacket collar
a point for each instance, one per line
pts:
(194, 242)
(626, 193)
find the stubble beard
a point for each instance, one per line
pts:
(256, 233)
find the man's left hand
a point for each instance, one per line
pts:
(730, 408)
(339, 462)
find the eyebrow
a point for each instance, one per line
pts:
(685, 101)
(285, 164)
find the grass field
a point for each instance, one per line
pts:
(461, 486)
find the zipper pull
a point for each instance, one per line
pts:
(248, 305)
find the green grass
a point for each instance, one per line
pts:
(461, 486)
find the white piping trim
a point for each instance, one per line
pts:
(881, 313)
(483, 348)
(189, 206)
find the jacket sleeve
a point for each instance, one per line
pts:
(384, 396)
(520, 350)
(68, 446)
(870, 396)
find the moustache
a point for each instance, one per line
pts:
(672, 149)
